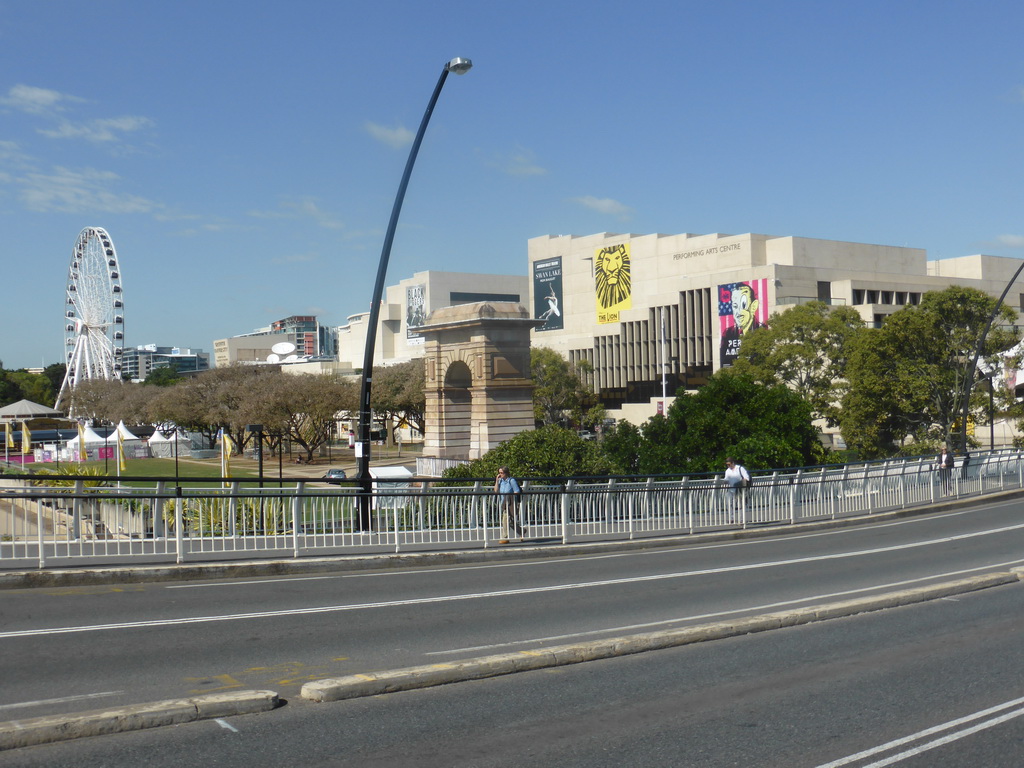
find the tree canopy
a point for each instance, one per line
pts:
(560, 395)
(910, 377)
(549, 451)
(398, 393)
(805, 347)
(762, 425)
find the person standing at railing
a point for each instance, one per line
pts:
(509, 494)
(737, 478)
(946, 463)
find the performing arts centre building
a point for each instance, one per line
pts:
(653, 313)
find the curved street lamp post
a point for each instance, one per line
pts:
(460, 67)
(973, 365)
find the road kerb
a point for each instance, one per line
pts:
(390, 681)
(133, 717)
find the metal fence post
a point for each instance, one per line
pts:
(395, 517)
(630, 498)
(179, 539)
(157, 507)
(76, 510)
(687, 502)
(480, 505)
(420, 504)
(609, 506)
(296, 516)
(40, 537)
(566, 489)
(233, 507)
(794, 483)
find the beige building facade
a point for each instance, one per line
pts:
(653, 313)
(407, 305)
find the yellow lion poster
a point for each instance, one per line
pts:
(613, 285)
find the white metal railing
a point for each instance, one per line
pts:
(44, 525)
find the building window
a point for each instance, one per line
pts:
(871, 296)
(461, 297)
(825, 291)
(858, 296)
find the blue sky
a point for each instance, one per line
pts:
(244, 156)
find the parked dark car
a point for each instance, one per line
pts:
(334, 476)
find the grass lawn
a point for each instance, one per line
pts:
(156, 469)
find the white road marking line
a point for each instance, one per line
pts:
(225, 724)
(62, 700)
(500, 593)
(245, 583)
(946, 740)
(931, 732)
(717, 614)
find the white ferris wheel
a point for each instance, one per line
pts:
(93, 313)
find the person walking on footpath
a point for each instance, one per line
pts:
(508, 497)
(737, 478)
(945, 465)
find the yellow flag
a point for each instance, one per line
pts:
(26, 438)
(82, 456)
(8, 434)
(120, 452)
(226, 450)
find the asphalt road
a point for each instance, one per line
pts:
(934, 685)
(69, 649)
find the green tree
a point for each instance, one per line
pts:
(550, 451)
(807, 348)
(559, 393)
(398, 393)
(34, 386)
(163, 377)
(303, 408)
(909, 378)
(762, 425)
(10, 391)
(55, 372)
(622, 444)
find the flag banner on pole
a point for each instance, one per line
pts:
(26, 438)
(8, 434)
(226, 453)
(121, 464)
(82, 455)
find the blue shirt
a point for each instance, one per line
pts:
(508, 485)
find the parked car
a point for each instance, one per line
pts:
(334, 476)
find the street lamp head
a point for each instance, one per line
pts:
(459, 66)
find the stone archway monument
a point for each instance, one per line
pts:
(479, 391)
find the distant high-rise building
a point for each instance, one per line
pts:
(138, 362)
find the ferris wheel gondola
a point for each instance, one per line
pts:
(93, 313)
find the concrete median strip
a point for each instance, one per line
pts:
(390, 681)
(133, 717)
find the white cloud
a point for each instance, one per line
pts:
(393, 137)
(36, 101)
(107, 129)
(12, 156)
(305, 207)
(522, 162)
(85, 191)
(605, 205)
(1011, 241)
